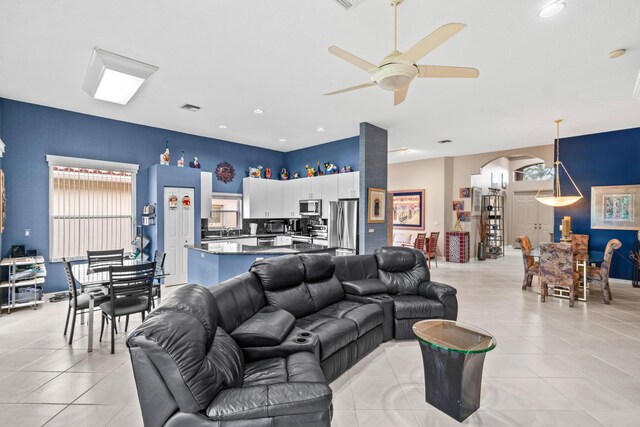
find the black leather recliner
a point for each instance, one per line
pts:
(341, 332)
(397, 279)
(190, 372)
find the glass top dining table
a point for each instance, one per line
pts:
(88, 279)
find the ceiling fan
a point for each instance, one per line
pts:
(396, 71)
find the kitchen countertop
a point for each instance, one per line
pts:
(230, 248)
(248, 236)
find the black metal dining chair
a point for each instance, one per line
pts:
(158, 258)
(79, 303)
(130, 288)
(101, 260)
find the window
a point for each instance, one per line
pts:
(226, 211)
(91, 206)
(535, 172)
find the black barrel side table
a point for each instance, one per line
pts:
(453, 357)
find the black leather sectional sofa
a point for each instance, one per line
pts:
(260, 349)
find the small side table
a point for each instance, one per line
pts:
(456, 246)
(453, 358)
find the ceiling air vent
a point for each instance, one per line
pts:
(444, 141)
(348, 4)
(190, 107)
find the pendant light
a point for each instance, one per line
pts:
(558, 200)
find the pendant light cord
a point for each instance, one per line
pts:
(558, 163)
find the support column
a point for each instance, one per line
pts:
(373, 173)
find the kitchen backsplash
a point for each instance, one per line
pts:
(262, 225)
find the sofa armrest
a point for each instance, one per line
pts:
(267, 327)
(445, 294)
(364, 287)
(296, 341)
(272, 400)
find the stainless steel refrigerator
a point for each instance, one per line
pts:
(343, 226)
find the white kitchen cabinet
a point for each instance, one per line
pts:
(274, 198)
(283, 240)
(311, 188)
(329, 192)
(349, 185)
(254, 198)
(261, 198)
(291, 198)
(206, 188)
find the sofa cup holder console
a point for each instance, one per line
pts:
(305, 334)
(301, 340)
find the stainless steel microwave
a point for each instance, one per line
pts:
(311, 207)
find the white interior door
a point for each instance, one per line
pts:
(178, 232)
(525, 217)
(545, 223)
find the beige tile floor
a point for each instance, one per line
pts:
(554, 366)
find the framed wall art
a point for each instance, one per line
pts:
(476, 201)
(465, 192)
(458, 205)
(408, 209)
(615, 207)
(376, 205)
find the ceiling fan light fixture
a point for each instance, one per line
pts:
(552, 9)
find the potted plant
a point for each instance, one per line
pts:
(482, 234)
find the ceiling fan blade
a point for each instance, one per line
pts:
(352, 59)
(432, 41)
(436, 71)
(362, 86)
(400, 95)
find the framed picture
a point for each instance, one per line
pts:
(615, 207)
(476, 201)
(376, 205)
(464, 216)
(458, 205)
(465, 192)
(504, 182)
(408, 209)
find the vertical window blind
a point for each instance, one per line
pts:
(90, 209)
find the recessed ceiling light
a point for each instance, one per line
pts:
(320, 129)
(282, 140)
(115, 78)
(222, 126)
(552, 9)
(617, 53)
(258, 110)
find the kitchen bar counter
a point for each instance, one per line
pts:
(230, 248)
(213, 262)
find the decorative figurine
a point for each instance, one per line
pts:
(284, 175)
(310, 171)
(255, 172)
(267, 173)
(296, 175)
(319, 171)
(181, 160)
(330, 168)
(195, 163)
(164, 157)
(347, 168)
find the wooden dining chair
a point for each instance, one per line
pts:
(101, 260)
(600, 275)
(580, 245)
(432, 247)
(531, 267)
(556, 269)
(130, 288)
(421, 242)
(79, 302)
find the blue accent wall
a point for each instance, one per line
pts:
(373, 157)
(32, 131)
(609, 158)
(342, 152)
